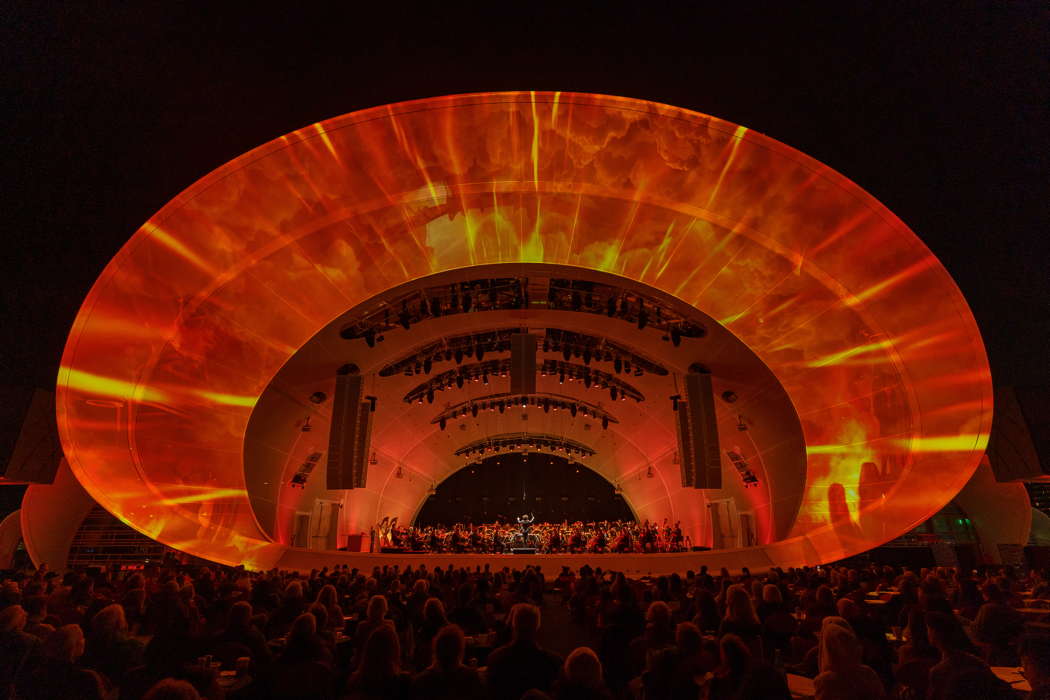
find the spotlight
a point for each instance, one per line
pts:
(605, 422)
(573, 408)
(459, 381)
(729, 396)
(430, 395)
(404, 318)
(676, 337)
(618, 364)
(612, 393)
(561, 378)
(587, 357)
(566, 353)
(370, 338)
(480, 353)
(427, 365)
(546, 406)
(459, 356)
(442, 423)
(502, 407)
(318, 397)
(474, 410)
(485, 378)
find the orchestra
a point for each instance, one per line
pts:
(603, 537)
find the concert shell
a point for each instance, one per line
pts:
(247, 273)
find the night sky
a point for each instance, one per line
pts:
(941, 115)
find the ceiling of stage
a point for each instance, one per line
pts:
(221, 289)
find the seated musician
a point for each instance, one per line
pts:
(554, 543)
(475, 539)
(576, 543)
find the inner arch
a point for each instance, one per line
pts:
(498, 488)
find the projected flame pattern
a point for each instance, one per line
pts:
(195, 314)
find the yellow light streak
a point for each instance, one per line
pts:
(107, 386)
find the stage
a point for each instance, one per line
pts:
(754, 558)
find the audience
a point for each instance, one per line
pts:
(214, 632)
(522, 664)
(447, 678)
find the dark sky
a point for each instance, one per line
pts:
(938, 109)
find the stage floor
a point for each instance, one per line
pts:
(755, 558)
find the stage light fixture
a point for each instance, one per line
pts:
(459, 381)
(370, 338)
(318, 397)
(613, 393)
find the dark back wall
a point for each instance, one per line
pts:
(553, 490)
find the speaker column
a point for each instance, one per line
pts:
(523, 363)
(350, 434)
(697, 431)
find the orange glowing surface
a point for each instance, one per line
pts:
(197, 312)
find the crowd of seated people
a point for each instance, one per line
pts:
(607, 536)
(393, 633)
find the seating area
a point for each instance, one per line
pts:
(168, 631)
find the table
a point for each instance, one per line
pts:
(800, 686)
(1012, 675)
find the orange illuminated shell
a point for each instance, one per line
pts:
(198, 311)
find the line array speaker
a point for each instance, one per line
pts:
(347, 439)
(523, 363)
(698, 433)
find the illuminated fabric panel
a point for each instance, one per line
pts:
(198, 311)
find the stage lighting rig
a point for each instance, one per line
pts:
(546, 402)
